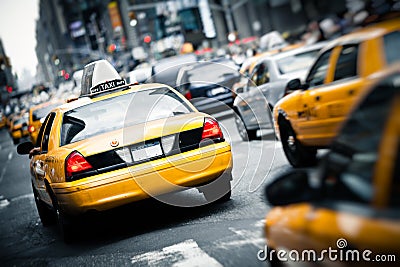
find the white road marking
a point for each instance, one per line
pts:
(3, 171)
(186, 253)
(22, 197)
(3, 202)
(247, 237)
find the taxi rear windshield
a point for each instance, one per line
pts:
(120, 111)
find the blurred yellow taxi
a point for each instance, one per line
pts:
(18, 128)
(3, 120)
(351, 204)
(121, 143)
(37, 115)
(309, 118)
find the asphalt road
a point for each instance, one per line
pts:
(148, 233)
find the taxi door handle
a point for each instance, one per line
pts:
(351, 92)
(317, 98)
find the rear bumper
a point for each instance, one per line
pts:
(116, 188)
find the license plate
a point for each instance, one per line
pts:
(146, 151)
(217, 91)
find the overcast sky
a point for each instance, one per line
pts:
(17, 31)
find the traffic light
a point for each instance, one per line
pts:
(9, 89)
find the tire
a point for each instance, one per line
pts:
(297, 154)
(15, 141)
(245, 134)
(219, 190)
(64, 222)
(46, 215)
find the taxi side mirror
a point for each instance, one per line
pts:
(290, 188)
(25, 148)
(294, 84)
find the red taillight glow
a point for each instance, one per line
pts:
(211, 129)
(31, 128)
(188, 95)
(75, 162)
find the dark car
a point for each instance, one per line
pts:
(166, 70)
(208, 83)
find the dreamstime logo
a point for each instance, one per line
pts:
(256, 156)
(341, 253)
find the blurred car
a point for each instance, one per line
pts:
(18, 128)
(309, 118)
(141, 74)
(37, 114)
(351, 203)
(121, 143)
(207, 84)
(166, 70)
(246, 69)
(267, 84)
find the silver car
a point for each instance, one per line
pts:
(267, 84)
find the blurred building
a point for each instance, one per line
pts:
(71, 33)
(7, 81)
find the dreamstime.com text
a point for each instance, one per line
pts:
(340, 253)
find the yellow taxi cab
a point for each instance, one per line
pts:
(18, 128)
(350, 206)
(118, 143)
(309, 118)
(37, 115)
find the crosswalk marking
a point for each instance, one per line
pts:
(186, 253)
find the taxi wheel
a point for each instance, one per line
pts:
(245, 134)
(297, 154)
(219, 190)
(46, 215)
(15, 141)
(64, 223)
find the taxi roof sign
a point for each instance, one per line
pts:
(99, 76)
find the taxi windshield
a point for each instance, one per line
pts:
(121, 111)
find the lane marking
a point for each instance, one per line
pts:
(3, 202)
(3, 171)
(186, 253)
(30, 195)
(247, 237)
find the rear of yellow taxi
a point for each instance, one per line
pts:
(18, 128)
(104, 189)
(151, 179)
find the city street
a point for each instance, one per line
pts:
(149, 233)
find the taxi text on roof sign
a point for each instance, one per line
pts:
(106, 86)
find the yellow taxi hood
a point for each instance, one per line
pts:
(138, 133)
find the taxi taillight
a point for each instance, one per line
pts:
(211, 129)
(76, 163)
(31, 128)
(188, 95)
